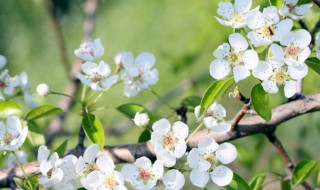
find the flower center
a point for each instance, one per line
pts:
(238, 18)
(279, 76)
(211, 158)
(95, 77)
(290, 7)
(144, 174)
(49, 173)
(267, 31)
(110, 181)
(292, 51)
(7, 139)
(169, 141)
(90, 168)
(2, 84)
(235, 58)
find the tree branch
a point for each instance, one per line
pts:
(317, 2)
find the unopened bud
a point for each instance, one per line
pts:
(43, 89)
(141, 119)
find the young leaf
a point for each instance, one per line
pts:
(43, 111)
(191, 102)
(214, 92)
(144, 136)
(276, 3)
(257, 181)
(8, 108)
(303, 170)
(301, 2)
(62, 148)
(314, 63)
(131, 109)
(285, 185)
(261, 102)
(237, 183)
(93, 129)
(33, 126)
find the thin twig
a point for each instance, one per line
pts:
(317, 2)
(313, 34)
(240, 115)
(81, 138)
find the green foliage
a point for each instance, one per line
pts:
(93, 129)
(191, 102)
(34, 127)
(43, 111)
(303, 170)
(144, 136)
(301, 2)
(276, 3)
(62, 148)
(214, 92)
(261, 102)
(131, 109)
(285, 184)
(9, 108)
(27, 184)
(257, 182)
(314, 63)
(237, 183)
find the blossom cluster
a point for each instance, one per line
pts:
(11, 86)
(287, 49)
(137, 73)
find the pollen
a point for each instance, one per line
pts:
(95, 77)
(279, 76)
(110, 181)
(169, 141)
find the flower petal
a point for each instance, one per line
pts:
(207, 145)
(226, 153)
(222, 51)
(304, 55)
(277, 52)
(157, 169)
(209, 122)
(222, 128)
(145, 60)
(105, 164)
(221, 175)
(104, 69)
(180, 130)
(89, 67)
(129, 172)
(287, 39)
(199, 178)
(263, 70)
(194, 158)
(240, 73)
(173, 180)
(108, 82)
(242, 6)
(225, 10)
(271, 15)
(303, 9)
(250, 59)
(270, 86)
(254, 19)
(282, 29)
(219, 69)
(162, 126)
(302, 38)
(3, 61)
(14, 126)
(298, 72)
(238, 42)
(290, 88)
(90, 153)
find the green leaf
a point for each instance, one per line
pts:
(131, 109)
(93, 129)
(261, 102)
(144, 136)
(9, 108)
(62, 148)
(257, 181)
(43, 111)
(276, 3)
(314, 63)
(285, 185)
(214, 92)
(261, 49)
(33, 126)
(301, 2)
(303, 170)
(19, 182)
(237, 183)
(191, 102)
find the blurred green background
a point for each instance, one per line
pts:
(182, 34)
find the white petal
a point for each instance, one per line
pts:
(98, 48)
(207, 145)
(199, 178)
(129, 171)
(90, 153)
(2, 130)
(221, 175)
(282, 29)
(317, 43)
(250, 59)
(284, 10)
(83, 79)
(257, 39)
(162, 126)
(194, 158)
(242, 6)
(222, 128)
(157, 169)
(167, 158)
(180, 148)
(240, 73)
(292, 2)
(224, 22)
(80, 166)
(226, 153)
(43, 153)
(225, 10)
(89, 68)
(263, 70)
(127, 59)
(222, 51)
(304, 55)
(209, 122)
(219, 111)
(271, 15)
(145, 60)
(3, 61)
(105, 164)
(270, 86)
(104, 69)
(29, 100)
(93, 180)
(204, 165)
(197, 112)
(14, 126)
(108, 82)
(277, 52)
(143, 162)
(303, 9)
(173, 180)
(298, 72)
(238, 42)
(302, 38)
(287, 39)
(290, 88)
(180, 130)
(219, 69)
(254, 19)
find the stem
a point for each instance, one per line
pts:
(19, 164)
(161, 99)
(197, 129)
(84, 92)
(66, 95)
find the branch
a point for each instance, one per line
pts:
(317, 2)
(246, 127)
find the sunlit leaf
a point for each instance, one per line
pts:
(8, 108)
(276, 3)
(62, 148)
(261, 102)
(257, 182)
(237, 183)
(93, 129)
(314, 64)
(214, 92)
(43, 111)
(303, 170)
(191, 102)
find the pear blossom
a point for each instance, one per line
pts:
(7, 84)
(143, 174)
(239, 59)
(43, 89)
(296, 47)
(317, 43)
(141, 119)
(213, 118)
(294, 11)
(22, 157)
(138, 73)
(169, 141)
(89, 51)
(234, 14)
(275, 71)
(12, 134)
(205, 160)
(3, 61)
(173, 180)
(266, 26)
(25, 86)
(97, 76)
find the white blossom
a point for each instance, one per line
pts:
(141, 119)
(239, 59)
(7, 84)
(213, 118)
(173, 180)
(89, 51)
(143, 174)
(294, 11)
(138, 74)
(317, 43)
(266, 26)
(205, 159)
(234, 14)
(12, 162)
(12, 134)
(97, 77)
(3, 61)
(43, 89)
(25, 86)
(169, 142)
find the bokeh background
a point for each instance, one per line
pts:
(182, 34)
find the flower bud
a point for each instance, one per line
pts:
(141, 119)
(43, 89)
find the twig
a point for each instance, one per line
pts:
(313, 33)
(240, 115)
(317, 2)
(81, 138)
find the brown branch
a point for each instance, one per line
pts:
(284, 155)
(317, 2)
(72, 88)
(240, 115)
(313, 34)
(246, 127)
